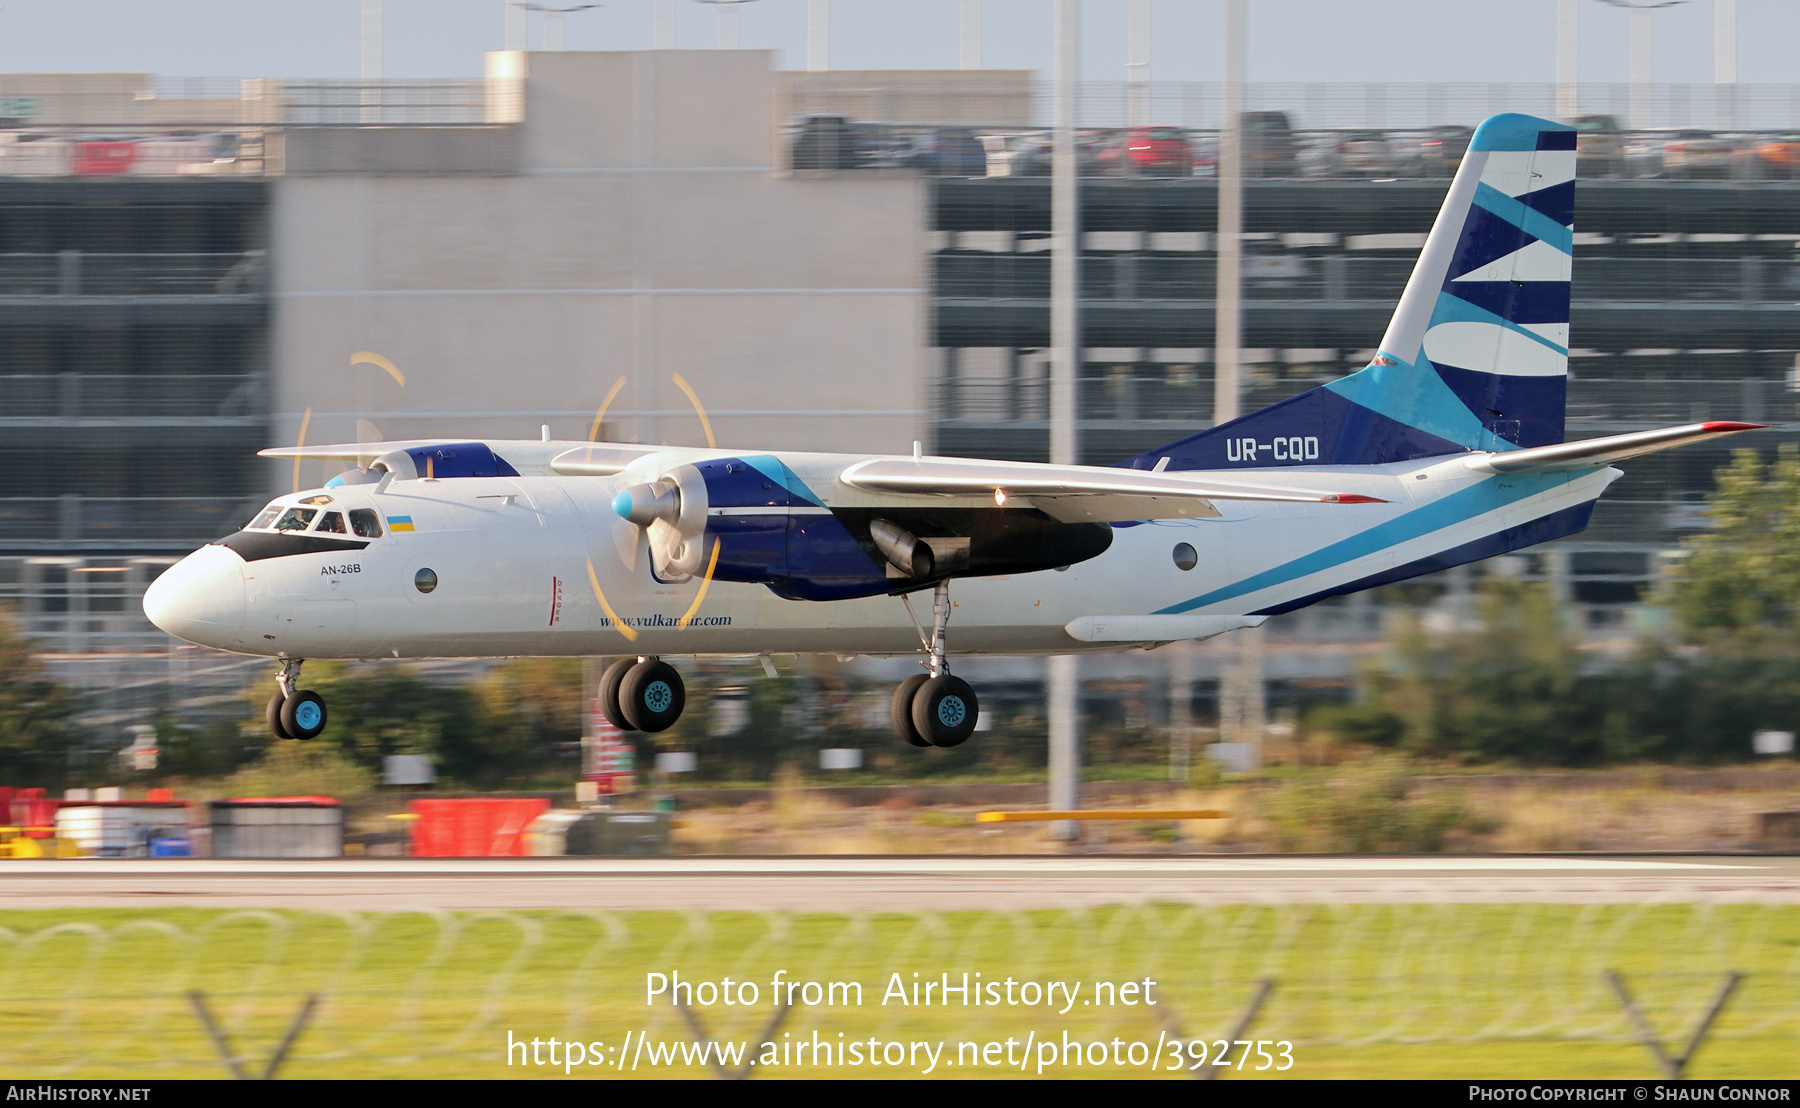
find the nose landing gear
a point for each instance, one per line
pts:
(935, 708)
(294, 713)
(642, 694)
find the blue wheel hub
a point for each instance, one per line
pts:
(307, 714)
(951, 711)
(658, 696)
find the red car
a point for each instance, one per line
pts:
(1149, 152)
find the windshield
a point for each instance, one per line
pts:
(296, 519)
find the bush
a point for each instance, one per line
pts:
(1371, 810)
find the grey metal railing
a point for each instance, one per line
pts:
(102, 395)
(1339, 277)
(80, 273)
(1136, 394)
(75, 518)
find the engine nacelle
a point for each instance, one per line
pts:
(675, 507)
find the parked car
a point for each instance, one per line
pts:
(1775, 158)
(1697, 154)
(1269, 147)
(822, 142)
(948, 152)
(1034, 155)
(1351, 153)
(1440, 150)
(878, 146)
(1599, 146)
(1206, 155)
(1148, 152)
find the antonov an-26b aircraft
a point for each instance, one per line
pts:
(1447, 448)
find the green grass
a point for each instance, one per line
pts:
(1459, 991)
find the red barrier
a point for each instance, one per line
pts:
(103, 159)
(479, 828)
(30, 808)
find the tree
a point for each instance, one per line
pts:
(40, 743)
(1509, 686)
(522, 722)
(1743, 574)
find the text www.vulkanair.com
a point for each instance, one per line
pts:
(1033, 1053)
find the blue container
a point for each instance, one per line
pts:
(171, 848)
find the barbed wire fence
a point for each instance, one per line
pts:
(440, 993)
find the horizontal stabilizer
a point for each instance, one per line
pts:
(1040, 483)
(1592, 453)
(1168, 628)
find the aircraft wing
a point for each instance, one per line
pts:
(1589, 453)
(595, 459)
(1076, 493)
(348, 451)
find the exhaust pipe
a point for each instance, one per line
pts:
(908, 553)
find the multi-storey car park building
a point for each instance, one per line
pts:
(833, 261)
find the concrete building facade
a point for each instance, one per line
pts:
(644, 232)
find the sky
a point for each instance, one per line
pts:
(1290, 40)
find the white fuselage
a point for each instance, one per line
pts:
(530, 565)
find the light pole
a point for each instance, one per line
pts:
(728, 21)
(371, 61)
(553, 22)
(1725, 60)
(1640, 54)
(818, 35)
(1064, 677)
(1567, 40)
(1137, 64)
(971, 35)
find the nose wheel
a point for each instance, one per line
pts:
(935, 708)
(294, 713)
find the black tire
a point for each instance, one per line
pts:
(900, 710)
(944, 711)
(651, 696)
(610, 679)
(273, 715)
(303, 714)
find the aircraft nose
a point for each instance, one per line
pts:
(200, 598)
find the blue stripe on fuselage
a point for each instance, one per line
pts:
(1458, 507)
(1556, 525)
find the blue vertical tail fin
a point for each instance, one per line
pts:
(1476, 356)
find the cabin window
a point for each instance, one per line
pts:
(365, 523)
(296, 519)
(332, 522)
(267, 517)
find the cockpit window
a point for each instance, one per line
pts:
(296, 519)
(365, 523)
(332, 522)
(267, 517)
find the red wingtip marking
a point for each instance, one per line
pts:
(1722, 425)
(1353, 498)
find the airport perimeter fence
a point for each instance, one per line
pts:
(1307, 990)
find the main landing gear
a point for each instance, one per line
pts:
(295, 713)
(642, 694)
(935, 708)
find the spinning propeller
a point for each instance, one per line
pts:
(669, 514)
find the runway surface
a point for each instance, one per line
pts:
(889, 883)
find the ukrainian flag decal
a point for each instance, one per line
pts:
(400, 523)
